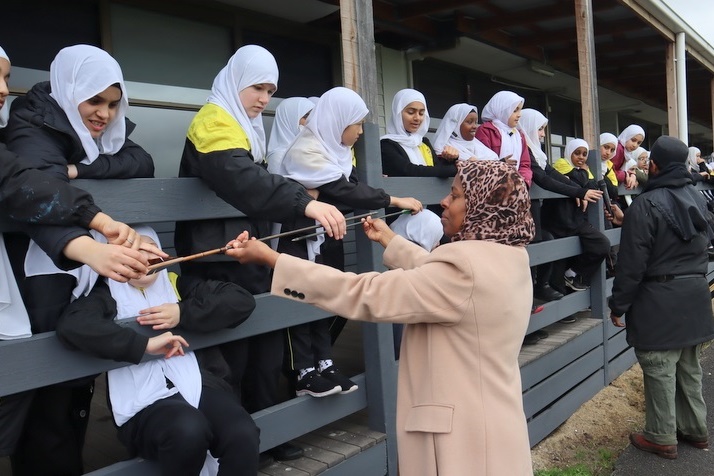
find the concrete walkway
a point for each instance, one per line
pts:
(691, 461)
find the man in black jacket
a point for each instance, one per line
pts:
(660, 284)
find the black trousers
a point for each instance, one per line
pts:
(53, 437)
(308, 343)
(595, 248)
(13, 411)
(255, 362)
(177, 435)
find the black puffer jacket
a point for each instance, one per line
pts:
(665, 233)
(32, 196)
(41, 134)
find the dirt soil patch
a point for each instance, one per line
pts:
(598, 431)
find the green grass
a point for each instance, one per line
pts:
(578, 470)
(594, 465)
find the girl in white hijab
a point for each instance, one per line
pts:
(564, 217)
(692, 159)
(628, 140)
(318, 155)
(530, 123)
(82, 79)
(608, 146)
(250, 67)
(162, 408)
(406, 152)
(290, 117)
(572, 161)
(499, 131)
(454, 131)
(321, 158)
(14, 321)
(410, 140)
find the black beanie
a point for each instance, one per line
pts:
(668, 150)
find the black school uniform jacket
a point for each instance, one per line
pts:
(217, 150)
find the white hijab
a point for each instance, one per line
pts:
(634, 160)
(627, 134)
(250, 65)
(131, 300)
(424, 228)
(531, 121)
(570, 148)
(325, 159)
(498, 110)
(395, 125)
(78, 73)
(14, 321)
(692, 159)
(449, 133)
(285, 128)
(5, 110)
(608, 138)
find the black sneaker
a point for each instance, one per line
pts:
(333, 375)
(568, 320)
(315, 385)
(286, 452)
(546, 293)
(575, 283)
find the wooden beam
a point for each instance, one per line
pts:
(671, 88)
(359, 63)
(587, 69)
(648, 18)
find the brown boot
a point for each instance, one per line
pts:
(699, 443)
(639, 441)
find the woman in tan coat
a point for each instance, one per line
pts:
(466, 306)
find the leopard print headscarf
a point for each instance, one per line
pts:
(497, 204)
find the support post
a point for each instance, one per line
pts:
(672, 102)
(359, 66)
(587, 72)
(681, 62)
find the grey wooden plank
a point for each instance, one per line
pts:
(325, 456)
(548, 420)
(134, 467)
(306, 414)
(556, 310)
(549, 390)
(616, 345)
(346, 437)
(280, 469)
(371, 462)
(552, 250)
(620, 364)
(42, 360)
(351, 425)
(540, 368)
(306, 464)
(345, 449)
(157, 199)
